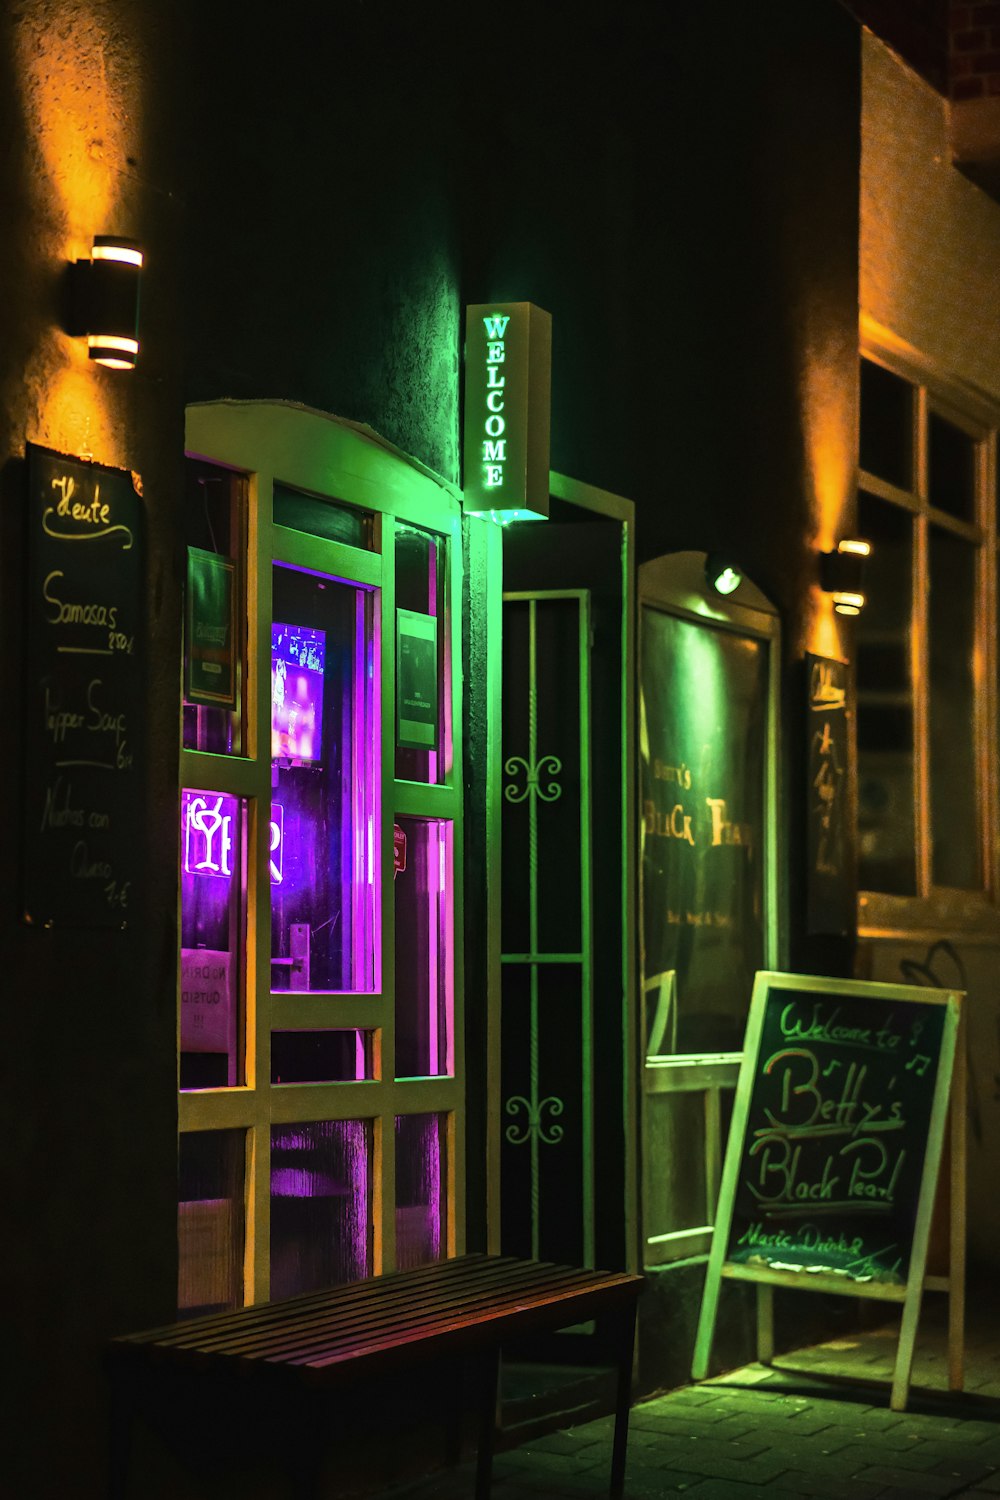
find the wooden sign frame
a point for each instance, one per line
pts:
(949, 1086)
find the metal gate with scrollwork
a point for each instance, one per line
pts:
(547, 1186)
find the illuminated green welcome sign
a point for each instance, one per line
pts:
(508, 360)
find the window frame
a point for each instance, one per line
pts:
(326, 457)
(940, 908)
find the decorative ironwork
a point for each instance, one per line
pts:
(533, 774)
(517, 1135)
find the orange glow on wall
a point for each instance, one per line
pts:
(80, 414)
(829, 427)
(78, 91)
(79, 85)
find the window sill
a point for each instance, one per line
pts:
(970, 914)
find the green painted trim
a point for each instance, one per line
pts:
(319, 453)
(541, 958)
(493, 552)
(586, 936)
(588, 497)
(354, 565)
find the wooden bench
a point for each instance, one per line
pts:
(457, 1310)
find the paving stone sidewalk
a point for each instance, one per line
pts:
(779, 1433)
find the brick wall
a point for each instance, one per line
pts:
(974, 51)
(915, 29)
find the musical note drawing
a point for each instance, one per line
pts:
(918, 1063)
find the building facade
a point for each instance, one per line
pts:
(425, 864)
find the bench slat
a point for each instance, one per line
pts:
(426, 1307)
(459, 1301)
(189, 1329)
(401, 1290)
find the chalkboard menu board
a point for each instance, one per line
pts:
(836, 1133)
(835, 1145)
(830, 873)
(84, 617)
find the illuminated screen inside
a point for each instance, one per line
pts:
(298, 654)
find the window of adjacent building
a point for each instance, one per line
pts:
(921, 639)
(320, 815)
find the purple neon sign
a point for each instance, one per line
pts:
(208, 822)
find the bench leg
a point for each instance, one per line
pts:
(490, 1375)
(121, 1420)
(623, 1404)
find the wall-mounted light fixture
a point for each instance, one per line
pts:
(841, 573)
(104, 301)
(721, 573)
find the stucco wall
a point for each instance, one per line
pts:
(87, 1103)
(930, 239)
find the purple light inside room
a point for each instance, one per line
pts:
(321, 1226)
(298, 656)
(421, 1231)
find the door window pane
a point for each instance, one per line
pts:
(421, 1196)
(886, 826)
(323, 777)
(329, 1056)
(211, 1223)
(215, 609)
(213, 909)
(325, 518)
(424, 977)
(321, 1223)
(422, 717)
(955, 851)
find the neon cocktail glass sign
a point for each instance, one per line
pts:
(208, 821)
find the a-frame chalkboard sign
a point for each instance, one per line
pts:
(834, 1153)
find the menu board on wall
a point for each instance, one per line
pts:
(830, 870)
(416, 680)
(835, 1146)
(84, 659)
(210, 627)
(703, 747)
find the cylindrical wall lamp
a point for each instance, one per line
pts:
(104, 301)
(722, 574)
(841, 573)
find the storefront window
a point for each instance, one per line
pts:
(213, 910)
(211, 1221)
(215, 505)
(424, 979)
(421, 1197)
(318, 1028)
(422, 717)
(708, 854)
(703, 733)
(321, 1224)
(331, 1056)
(323, 785)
